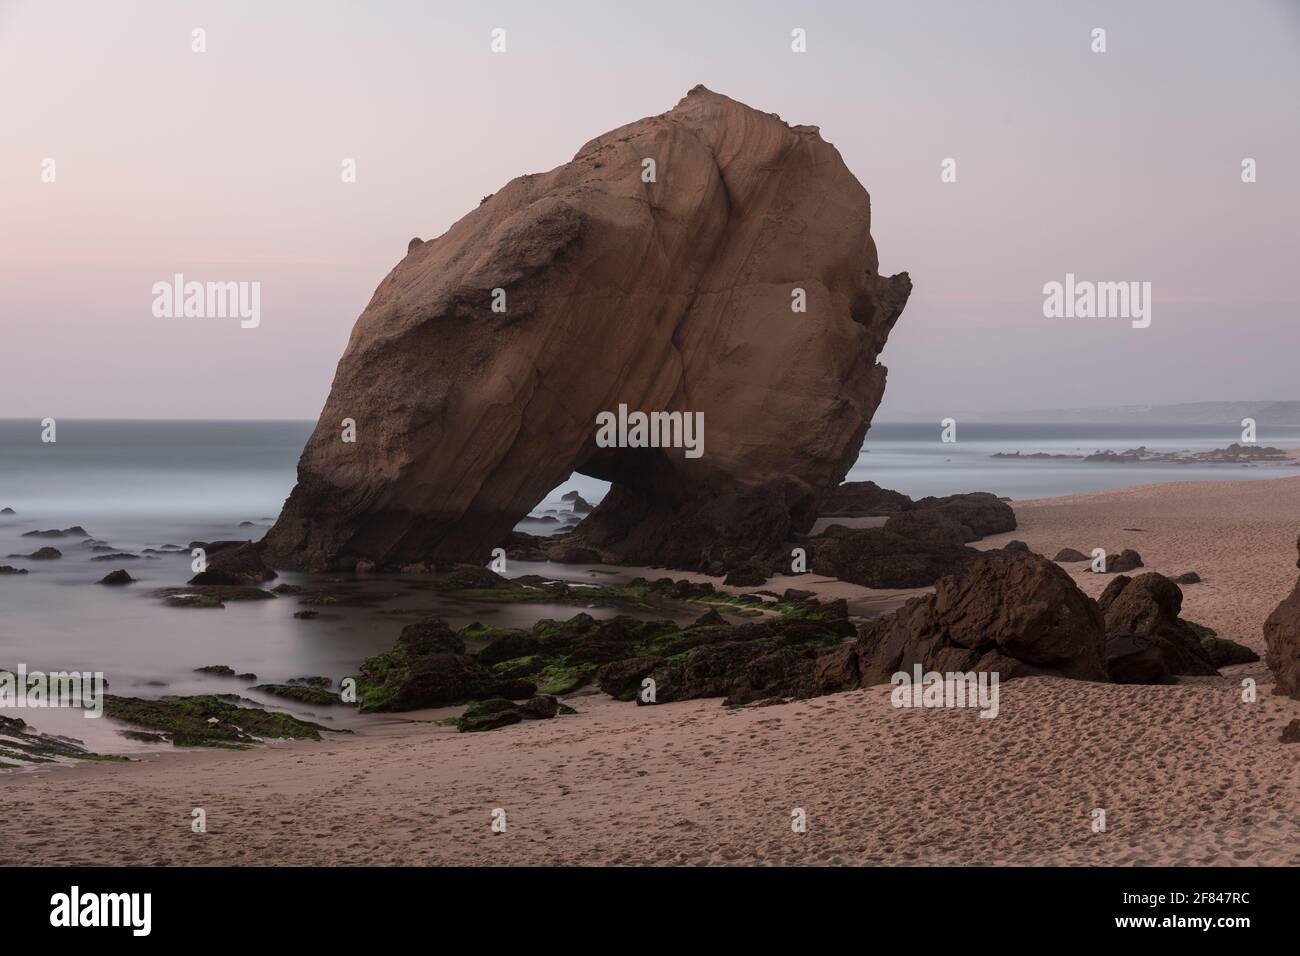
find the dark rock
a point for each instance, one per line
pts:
(1131, 659)
(41, 554)
(855, 499)
(10, 569)
(7, 511)
(1126, 560)
(428, 636)
(837, 669)
(541, 707)
(489, 714)
(931, 525)
(797, 596)
(116, 577)
(1291, 732)
(76, 531)
(306, 615)
(192, 600)
(117, 556)
(747, 575)
(622, 679)
(710, 618)
(216, 670)
(1220, 651)
(1148, 607)
(982, 512)
(234, 563)
(312, 696)
(1016, 546)
(1282, 640)
(580, 504)
(416, 673)
(879, 558)
(1008, 612)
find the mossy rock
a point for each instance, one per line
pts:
(489, 714)
(209, 721)
(302, 693)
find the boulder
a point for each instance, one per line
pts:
(430, 636)
(1009, 612)
(41, 554)
(1070, 556)
(468, 416)
(750, 574)
(1147, 607)
(1126, 560)
(116, 577)
(622, 679)
(1282, 641)
(238, 563)
(881, 558)
(855, 499)
(984, 513)
(540, 707)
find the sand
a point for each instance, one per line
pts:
(1188, 774)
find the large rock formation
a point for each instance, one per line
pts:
(1010, 612)
(1282, 637)
(671, 295)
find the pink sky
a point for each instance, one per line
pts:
(226, 166)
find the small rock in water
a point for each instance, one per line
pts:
(41, 554)
(116, 577)
(216, 670)
(10, 569)
(7, 511)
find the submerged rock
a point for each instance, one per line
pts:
(10, 569)
(76, 531)
(700, 266)
(117, 577)
(41, 554)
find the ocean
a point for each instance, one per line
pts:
(144, 484)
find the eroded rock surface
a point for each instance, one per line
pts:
(1282, 636)
(673, 295)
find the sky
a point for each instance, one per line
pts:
(225, 165)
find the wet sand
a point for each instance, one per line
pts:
(1188, 774)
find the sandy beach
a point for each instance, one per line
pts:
(1186, 774)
